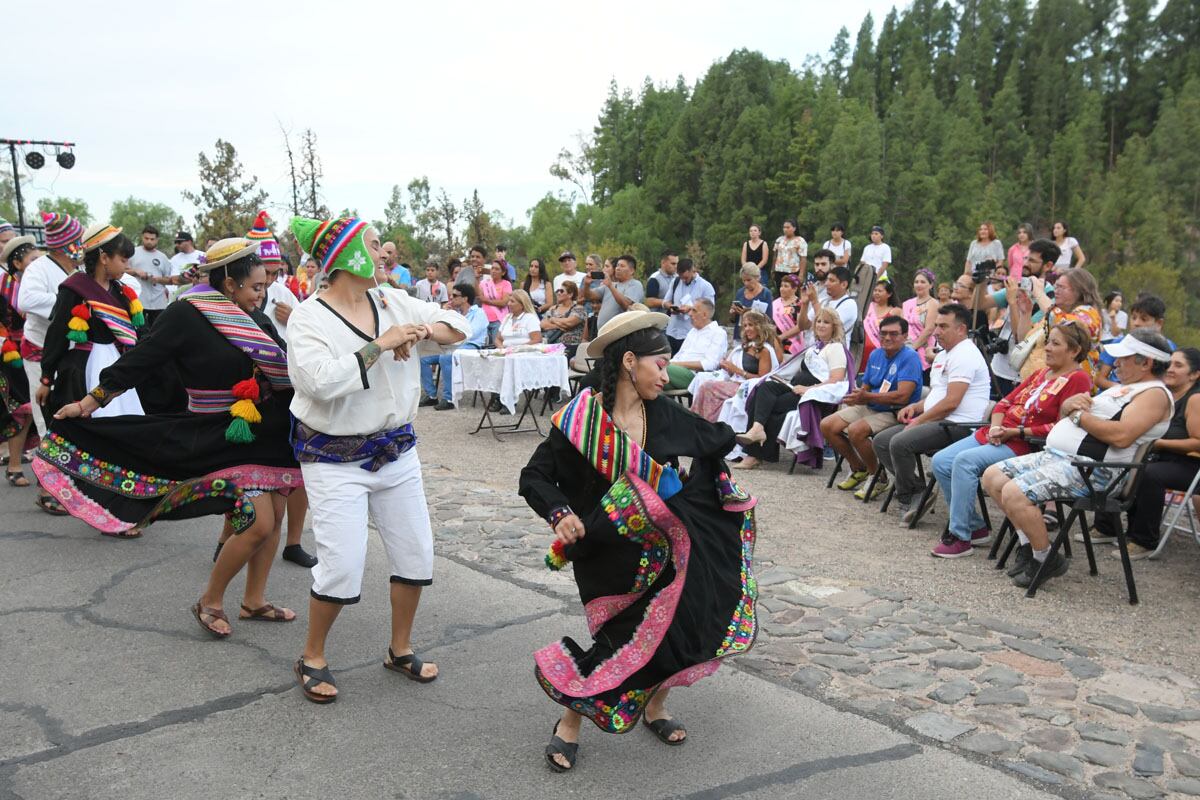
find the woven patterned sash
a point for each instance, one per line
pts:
(117, 320)
(609, 449)
(103, 304)
(244, 334)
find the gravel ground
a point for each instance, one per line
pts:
(824, 534)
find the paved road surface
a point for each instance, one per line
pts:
(111, 690)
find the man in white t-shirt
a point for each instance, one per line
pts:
(154, 272)
(832, 291)
(877, 253)
(959, 391)
(186, 253)
(570, 271)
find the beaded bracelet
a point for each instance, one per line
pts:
(100, 395)
(558, 514)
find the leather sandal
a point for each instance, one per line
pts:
(16, 479)
(409, 666)
(663, 728)
(267, 613)
(51, 506)
(559, 747)
(200, 611)
(310, 677)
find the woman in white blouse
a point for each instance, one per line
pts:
(522, 325)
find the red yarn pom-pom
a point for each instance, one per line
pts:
(246, 390)
(81, 311)
(128, 291)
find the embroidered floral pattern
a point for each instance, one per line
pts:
(618, 718)
(635, 499)
(739, 636)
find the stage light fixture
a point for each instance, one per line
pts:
(66, 160)
(35, 160)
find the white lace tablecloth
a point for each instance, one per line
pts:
(508, 376)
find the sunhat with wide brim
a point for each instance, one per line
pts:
(98, 234)
(621, 326)
(11, 246)
(227, 251)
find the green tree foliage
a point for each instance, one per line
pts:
(133, 214)
(227, 202)
(942, 115)
(63, 205)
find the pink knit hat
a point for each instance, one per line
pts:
(62, 231)
(268, 248)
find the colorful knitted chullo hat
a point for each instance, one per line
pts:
(268, 248)
(63, 232)
(335, 244)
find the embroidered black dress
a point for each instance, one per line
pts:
(120, 472)
(14, 385)
(66, 365)
(667, 587)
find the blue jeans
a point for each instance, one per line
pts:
(446, 373)
(958, 469)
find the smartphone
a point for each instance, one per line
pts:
(596, 276)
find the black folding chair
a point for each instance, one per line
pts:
(1115, 499)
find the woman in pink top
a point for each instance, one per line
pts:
(1017, 253)
(494, 290)
(918, 311)
(784, 310)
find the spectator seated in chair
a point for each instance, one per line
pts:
(959, 390)
(1171, 466)
(1148, 311)
(702, 348)
(822, 376)
(1030, 410)
(565, 319)
(1106, 428)
(522, 325)
(759, 352)
(462, 300)
(891, 381)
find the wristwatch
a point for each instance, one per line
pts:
(1076, 416)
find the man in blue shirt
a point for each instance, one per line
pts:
(510, 271)
(462, 300)
(1148, 311)
(395, 270)
(892, 380)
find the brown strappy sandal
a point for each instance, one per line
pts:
(199, 611)
(267, 613)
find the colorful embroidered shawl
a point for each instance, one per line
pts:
(243, 333)
(104, 307)
(608, 449)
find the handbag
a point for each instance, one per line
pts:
(1017, 356)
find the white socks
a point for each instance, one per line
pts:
(1040, 555)
(1021, 537)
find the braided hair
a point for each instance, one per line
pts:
(644, 342)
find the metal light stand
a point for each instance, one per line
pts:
(12, 151)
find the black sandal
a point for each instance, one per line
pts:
(50, 506)
(310, 677)
(559, 747)
(663, 728)
(409, 666)
(13, 477)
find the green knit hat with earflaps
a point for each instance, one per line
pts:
(335, 244)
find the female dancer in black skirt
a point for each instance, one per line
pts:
(222, 456)
(663, 562)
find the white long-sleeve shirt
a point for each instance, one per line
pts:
(706, 345)
(334, 393)
(39, 291)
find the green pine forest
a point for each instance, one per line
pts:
(928, 122)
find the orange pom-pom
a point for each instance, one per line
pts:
(246, 390)
(81, 311)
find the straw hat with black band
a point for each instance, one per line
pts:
(12, 245)
(624, 324)
(227, 251)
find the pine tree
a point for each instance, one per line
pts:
(227, 203)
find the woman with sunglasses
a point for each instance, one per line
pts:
(565, 319)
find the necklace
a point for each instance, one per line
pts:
(642, 408)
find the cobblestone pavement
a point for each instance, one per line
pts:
(1041, 706)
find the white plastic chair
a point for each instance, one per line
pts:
(1184, 506)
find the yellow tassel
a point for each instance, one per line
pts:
(77, 324)
(245, 409)
(11, 355)
(135, 306)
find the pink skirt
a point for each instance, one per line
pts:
(712, 395)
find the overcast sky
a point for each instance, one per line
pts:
(472, 95)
